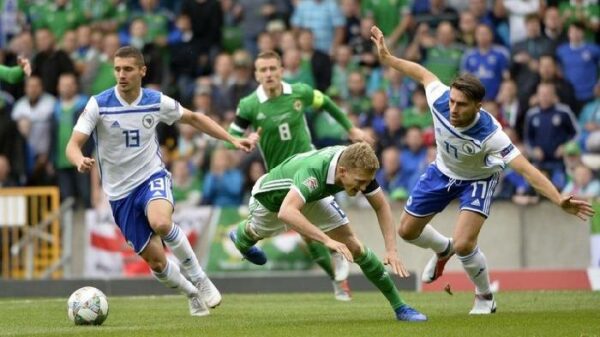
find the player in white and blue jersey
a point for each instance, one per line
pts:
(472, 149)
(122, 121)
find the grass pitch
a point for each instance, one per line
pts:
(565, 313)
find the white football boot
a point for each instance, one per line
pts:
(208, 292)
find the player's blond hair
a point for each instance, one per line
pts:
(359, 155)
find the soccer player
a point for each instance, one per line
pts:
(16, 73)
(123, 122)
(277, 109)
(292, 194)
(472, 150)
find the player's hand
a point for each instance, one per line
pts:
(85, 164)
(357, 135)
(379, 40)
(243, 144)
(254, 137)
(391, 259)
(339, 247)
(580, 208)
(25, 65)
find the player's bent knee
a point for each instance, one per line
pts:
(161, 226)
(463, 247)
(406, 232)
(156, 264)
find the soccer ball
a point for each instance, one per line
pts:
(87, 306)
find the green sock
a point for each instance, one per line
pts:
(321, 255)
(244, 241)
(375, 272)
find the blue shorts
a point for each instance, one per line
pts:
(435, 190)
(130, 212)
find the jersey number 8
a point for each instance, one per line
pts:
(284, 131)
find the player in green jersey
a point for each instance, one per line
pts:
(293, 194)
(277, 109)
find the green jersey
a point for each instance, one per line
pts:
(312, 174)
(282, 120)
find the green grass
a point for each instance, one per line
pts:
(291, 315)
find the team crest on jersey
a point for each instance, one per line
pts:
(468, 148)
(148, 121)
(311, 183)
(260, 116)
(298, 105)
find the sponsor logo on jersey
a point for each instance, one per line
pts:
(115, 124)
(148, 121)
(476, 203)
(298, 105)
(311, 183)
(260, 116)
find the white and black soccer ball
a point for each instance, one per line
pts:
(87, 306)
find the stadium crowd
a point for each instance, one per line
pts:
(538, 60)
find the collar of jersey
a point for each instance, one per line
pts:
(124, 103)
(262, 95)
(332, 167)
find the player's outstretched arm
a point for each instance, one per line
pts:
(411, 69)
(386, 223)
(580, 208)
(204, 124)
(74, 153)
(290, 213)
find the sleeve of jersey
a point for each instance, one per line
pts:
(170, 110)
(372, 188)
(306, 183)
(501, 147)
(241, 122)
(320, 100)
(434, 92)
(86, 123)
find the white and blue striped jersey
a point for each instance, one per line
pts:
(125, 134)
(473, 152)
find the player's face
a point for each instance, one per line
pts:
(268, 73)
(128, 74)
(462, 110)
(356, 180)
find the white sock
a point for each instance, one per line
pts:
(172, 278)
(475, 265)
(431, 238)
(181, 248)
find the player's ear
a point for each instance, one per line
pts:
(143, 71)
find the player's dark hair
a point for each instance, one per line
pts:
(470, 86)
(132, 52)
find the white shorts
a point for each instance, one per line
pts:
(324, 213)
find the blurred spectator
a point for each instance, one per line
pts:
(222, 80)
(287, 40)
(33, 115)
(388, 176)
(393, 130)
(318, 62)
(186, 188)
(157, 21)
(413, 158)
(373, 117)
(487, 62)
(243, 75)
(437, 12)
(520, 12)
(553, 27)
(253, 16)
(398, 88)
(583, 185)
(509, 104)
(527, 52)
(325, 129)
(49, 63)
(184, 57)
(293, 72)
(418, 115)
(351, 11)
(548, 127)
(6, 180)
(442, 56)
(102, 68)
(207, 21)
(253, 170)
(266, 42)
(60, 16)
(580, 61)
(584, 11)
(139, 37)
(324, 18)
(68, 108)
(342, 67)
(223, 184)
(467, 25)
(363, 48)
(358, 101)
(589, 122)
(392, 17)
(12, 20)
(107, 15)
